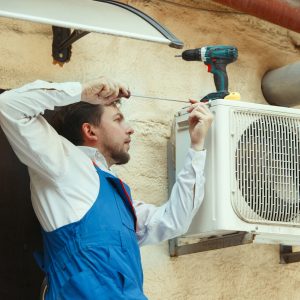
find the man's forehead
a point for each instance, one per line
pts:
(112, 109)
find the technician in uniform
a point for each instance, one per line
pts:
(92, 229)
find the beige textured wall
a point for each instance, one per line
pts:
(243, 272)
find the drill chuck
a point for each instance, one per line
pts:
(192, 55)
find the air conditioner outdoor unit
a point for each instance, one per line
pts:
(252, 172)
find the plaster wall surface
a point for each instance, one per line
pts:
(243, 272)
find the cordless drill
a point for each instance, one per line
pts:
(216, 58)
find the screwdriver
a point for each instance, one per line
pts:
(161, 99)
(157, 98)
(152, 98)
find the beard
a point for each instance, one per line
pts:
(114, 151)
(120, 157)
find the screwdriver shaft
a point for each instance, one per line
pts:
(158, 98)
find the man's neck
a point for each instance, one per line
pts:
(101, 157)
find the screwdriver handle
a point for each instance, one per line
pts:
(122, 95)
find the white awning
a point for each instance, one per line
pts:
(87, 15)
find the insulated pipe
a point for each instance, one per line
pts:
(282, 86)
(279, 12)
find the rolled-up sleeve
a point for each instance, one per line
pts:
(156, 224)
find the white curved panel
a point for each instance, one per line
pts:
(85, 15)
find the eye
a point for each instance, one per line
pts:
(118, 119)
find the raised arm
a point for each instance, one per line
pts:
(34, 141)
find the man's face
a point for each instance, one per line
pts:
(114, 136)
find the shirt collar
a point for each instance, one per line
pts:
(96, 157)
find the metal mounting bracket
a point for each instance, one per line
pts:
(177, 246)
(287, 255)
(62, 43)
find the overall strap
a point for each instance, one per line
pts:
(128, 198)
(123, 190)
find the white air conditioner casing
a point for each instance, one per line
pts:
(252, 171)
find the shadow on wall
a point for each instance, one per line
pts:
(20, 277)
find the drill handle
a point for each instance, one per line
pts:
(220, 75)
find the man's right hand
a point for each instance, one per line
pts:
(103, 91)
(200, 120)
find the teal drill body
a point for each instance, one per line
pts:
(216, 58)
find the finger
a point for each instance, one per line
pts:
(124, 91)
(206, 107)
(197, 115)
(204, 115)
(119, 92)
(196, 105)
(113, 89)
(104, 92)
(193, 105)
(113, 97)
(102, 88)
(193, 101)
(202, 107)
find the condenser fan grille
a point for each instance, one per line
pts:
(267, 168)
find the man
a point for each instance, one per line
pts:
(91, 228)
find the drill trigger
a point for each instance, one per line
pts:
(208, 68)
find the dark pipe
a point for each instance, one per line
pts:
(282, 86)
(275, 11)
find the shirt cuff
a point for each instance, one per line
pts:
(197, 158)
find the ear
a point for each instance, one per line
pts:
(88, 133)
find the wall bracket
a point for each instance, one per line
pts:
(62, 43)
(212, 243)
(63, 38)
(287, 255)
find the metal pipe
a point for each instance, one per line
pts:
(280, 12)
(282, 86)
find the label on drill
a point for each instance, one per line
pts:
(203, 51)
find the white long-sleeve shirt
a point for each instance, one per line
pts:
(64, 183)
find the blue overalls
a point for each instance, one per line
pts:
(97, 257)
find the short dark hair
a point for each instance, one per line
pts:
(68, 120)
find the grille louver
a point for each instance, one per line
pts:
(267, 168)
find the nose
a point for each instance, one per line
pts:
(129, 130)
